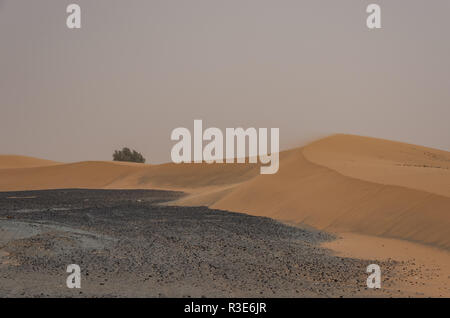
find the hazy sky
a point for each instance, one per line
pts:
(138, 69)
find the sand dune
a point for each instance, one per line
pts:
(119, 175)
(384, 162)
(90, 174)
(303, 192)
(341, 183)
(347, 183)
(12, 161)
(190, 178)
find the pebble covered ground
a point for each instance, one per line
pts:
(127, 244)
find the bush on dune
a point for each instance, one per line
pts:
(127, 155)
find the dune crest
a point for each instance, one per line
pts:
(190, 178)
(13, 162)
(383, 161)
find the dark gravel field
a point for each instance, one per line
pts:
(129, 245)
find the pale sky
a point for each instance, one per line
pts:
(138, 69)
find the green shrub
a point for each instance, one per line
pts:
(127, 155)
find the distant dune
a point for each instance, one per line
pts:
(342, 183)
(13, 161)
(120, 175)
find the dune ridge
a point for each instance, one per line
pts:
(383, 161)
(15, 161)
(342, 183)
(119, 175)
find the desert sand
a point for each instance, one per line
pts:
(13, 161)
(341, 184)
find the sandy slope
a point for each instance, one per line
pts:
(88, 174)
(13, 161)
(303, 192)
(384, 162)
(116, 175)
